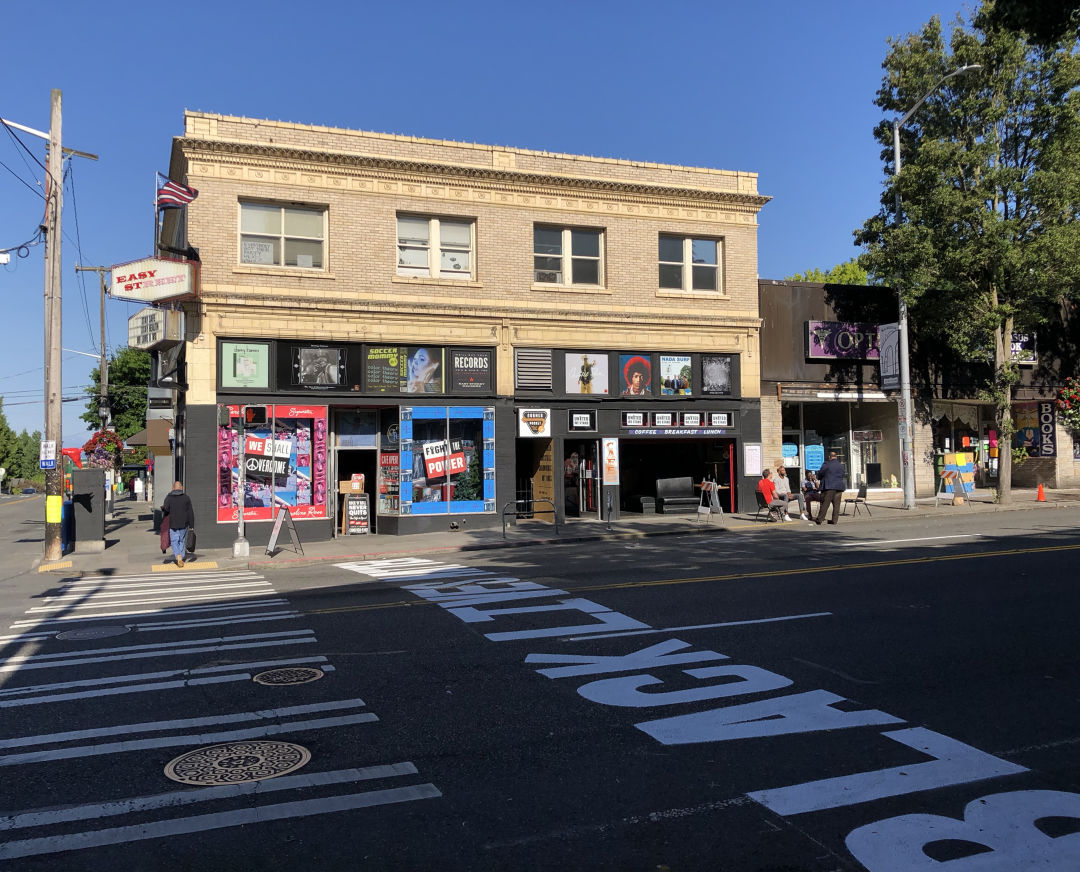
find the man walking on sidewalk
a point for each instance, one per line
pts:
(831, 475)
(181, 514)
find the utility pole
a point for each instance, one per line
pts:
(54, 191)
(104, 407)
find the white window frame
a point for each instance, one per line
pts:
(435, 248)
(687, 264)
(281, 237)
(567, 257)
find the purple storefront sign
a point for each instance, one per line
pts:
(830, 340)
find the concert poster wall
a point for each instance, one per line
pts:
(284, 468)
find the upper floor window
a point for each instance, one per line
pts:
(292, 236)
(690, 264)
(567, 256)
(435, 247)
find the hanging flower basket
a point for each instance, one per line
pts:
(1068, 404)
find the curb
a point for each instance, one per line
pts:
(223, 560)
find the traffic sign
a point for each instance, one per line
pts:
(47, 456)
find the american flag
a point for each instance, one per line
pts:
(171, 195)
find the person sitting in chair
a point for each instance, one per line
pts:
(768, 490)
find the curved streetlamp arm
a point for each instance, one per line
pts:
(966, 68)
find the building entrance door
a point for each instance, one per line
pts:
(581, 479)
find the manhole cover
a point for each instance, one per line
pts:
(296, 675)
(92, 633)
(236, 762)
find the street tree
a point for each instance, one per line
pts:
(129, 375)
(26, 461)
(8, 442)
(1046, 21)
(847, 273)
(986, 241)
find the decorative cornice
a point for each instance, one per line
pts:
(297, 158)
(225, 304)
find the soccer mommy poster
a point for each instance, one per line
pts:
(287, 469)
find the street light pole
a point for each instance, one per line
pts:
(906, 409)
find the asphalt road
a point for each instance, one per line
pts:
(791, 699)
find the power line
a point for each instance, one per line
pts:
(70, 175)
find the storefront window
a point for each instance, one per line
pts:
(286, 469)
(447, 460)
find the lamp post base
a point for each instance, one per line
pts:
(240, 548)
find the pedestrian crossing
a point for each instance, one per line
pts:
(93, 654)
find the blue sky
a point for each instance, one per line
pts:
(784, 89)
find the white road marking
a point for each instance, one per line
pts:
(901, 541)
(146, 591)
(159, 646)
(149, 676)
(145, 602)
(699, 626)
(125, 581)
(182, 724)
(120, 691)
(227, 620)
(142, 655)
(166, 612)
(222, 573)
(202, 823)
(49, 817)
(195, 740)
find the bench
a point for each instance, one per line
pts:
(676, 495)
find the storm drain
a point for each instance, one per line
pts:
(92, 633)
(294, 675)
(237, 762)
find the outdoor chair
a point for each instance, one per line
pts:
(858, 500)
(773, 513)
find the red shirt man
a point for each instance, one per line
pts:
(766, 487)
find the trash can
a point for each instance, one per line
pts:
(67, 528)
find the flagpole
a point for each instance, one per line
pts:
(156, 210)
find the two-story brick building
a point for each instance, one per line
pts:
(464, 325)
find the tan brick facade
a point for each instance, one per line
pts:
(364, 180)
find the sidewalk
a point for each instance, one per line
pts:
(132, 546)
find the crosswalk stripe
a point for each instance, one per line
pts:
(141, 655)
(108, 594)
(182, 724)
(177, 798)
(157, 646)
(196, 740)
(171, 610)
(202, 823)
(146, 676)
(121, 691)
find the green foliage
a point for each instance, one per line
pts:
(1046, 21)
(989, 188)
(8, 442)
(847, 273)
(470, 484)
(129, 375)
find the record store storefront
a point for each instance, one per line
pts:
(412, 427)
(583, 417)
